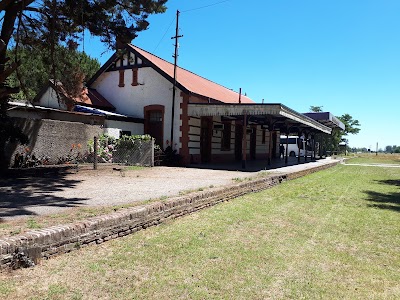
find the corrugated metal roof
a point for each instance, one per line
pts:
(192, 82)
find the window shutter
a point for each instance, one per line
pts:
(121, 78)
(134, 76)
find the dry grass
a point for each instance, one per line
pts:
(381, 158)
(334, 234)
(21, 225)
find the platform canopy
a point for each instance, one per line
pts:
(274, 116)
(327, 119)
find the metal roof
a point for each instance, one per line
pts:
(258, 114)
(326, 118)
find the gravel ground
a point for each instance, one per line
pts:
(48, 194)
(52, 193)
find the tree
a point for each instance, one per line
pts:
(389, 149)
(351, 125)
(331, 142)
(46, 24)
(33, 73)
(315, 108)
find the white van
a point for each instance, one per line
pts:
(294, 143)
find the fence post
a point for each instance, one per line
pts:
(95, 153)
(152, 152)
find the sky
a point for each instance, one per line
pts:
(343, 55)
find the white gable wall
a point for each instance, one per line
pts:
(50, 99)
(130, 100)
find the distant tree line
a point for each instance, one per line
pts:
(392, 149)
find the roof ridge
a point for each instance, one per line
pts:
(134, 46)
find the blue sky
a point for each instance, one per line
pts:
(342, 55)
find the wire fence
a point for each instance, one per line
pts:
(127, 151)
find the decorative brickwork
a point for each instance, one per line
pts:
(184, 129)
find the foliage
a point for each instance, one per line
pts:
(331, 143)
(35, 69)
(113, 150)
(351, 125)
(392, 149)
(105, 148)
(315, 108)
(45, 25)
(129, 149)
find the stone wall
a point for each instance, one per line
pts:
(40, 244)
(52, 138)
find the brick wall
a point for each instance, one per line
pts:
(45, 243)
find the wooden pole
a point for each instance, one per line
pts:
(305, 147)
(287, 147)
(176, 37)
(152, 152)
(244, 139)
(269, 145)
(95, 153)
(298, 146)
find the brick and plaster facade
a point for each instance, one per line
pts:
(137, 82)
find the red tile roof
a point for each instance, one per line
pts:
(88, 96)
(95, 99)
(192, 82)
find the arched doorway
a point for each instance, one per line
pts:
(154, 123)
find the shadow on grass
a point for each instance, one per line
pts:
(389, 201)
(19, 192)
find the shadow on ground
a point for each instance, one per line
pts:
(24, 190)
(389, 201)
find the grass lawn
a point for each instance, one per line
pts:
(334, 234)
(381, 158)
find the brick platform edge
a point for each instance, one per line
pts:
(22, 250)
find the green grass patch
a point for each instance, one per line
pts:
(334, 234)
(6, 288)
(33, 224)
(372, 158)
(134, 168)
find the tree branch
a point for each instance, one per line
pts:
(7, 72)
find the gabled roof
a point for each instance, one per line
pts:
(95, 99)
(186, 80)
(89, 96)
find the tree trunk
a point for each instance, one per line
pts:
(10, 16)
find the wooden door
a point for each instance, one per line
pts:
(155, 126)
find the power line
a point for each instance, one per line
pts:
(170, 24)
(205, 6)
(165, 33)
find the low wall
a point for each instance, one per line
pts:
(52, 138)
(31, 247)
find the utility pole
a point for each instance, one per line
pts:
(176, 37)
